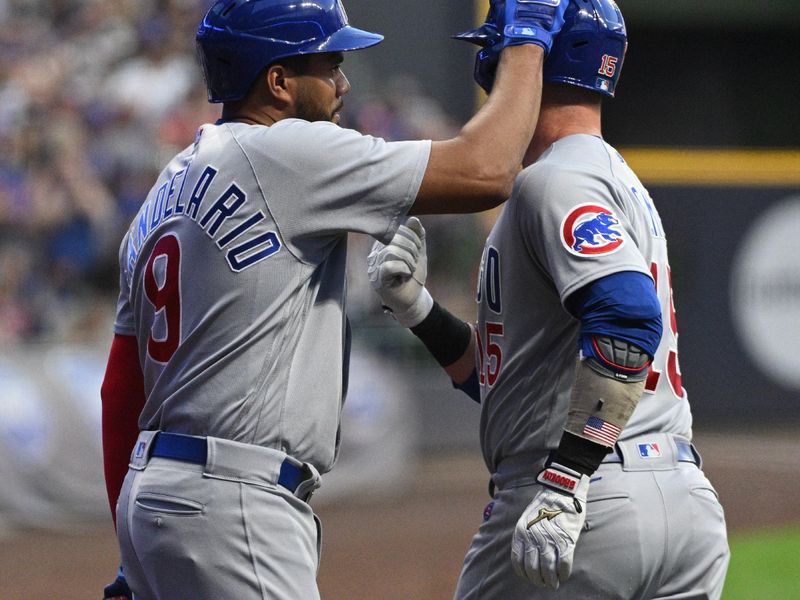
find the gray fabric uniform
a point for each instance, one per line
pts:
(233, 281)
(654, 527)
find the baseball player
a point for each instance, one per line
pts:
(585, 426)
(227, 373)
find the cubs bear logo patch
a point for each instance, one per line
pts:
(591, 230)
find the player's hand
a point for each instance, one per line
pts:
(512, 22)
(118, 590)
(398, 270)
(508, 23)
(545, 535)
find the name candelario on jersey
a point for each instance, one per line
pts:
(210, 216)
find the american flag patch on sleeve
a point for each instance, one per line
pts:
(601, 431)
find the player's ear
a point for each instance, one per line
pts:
(278, 81)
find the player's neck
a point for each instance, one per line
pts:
(557, 121)
(243, 113)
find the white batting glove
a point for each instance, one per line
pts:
(545, 535)
(398, 271)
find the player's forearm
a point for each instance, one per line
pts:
(462, 369)
(123, 397)
(475, 170)
(600, 407)
(620, 319)
(504, 125)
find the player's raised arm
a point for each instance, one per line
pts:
(475, 170)
(398, 272)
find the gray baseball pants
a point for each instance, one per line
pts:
(654, 530)
(218, 530)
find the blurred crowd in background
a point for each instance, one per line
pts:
(95, 97)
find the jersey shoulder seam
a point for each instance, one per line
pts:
(264, 197)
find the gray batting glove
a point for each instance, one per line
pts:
(398, 270)
(545, 535)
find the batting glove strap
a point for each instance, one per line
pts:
(532, 21)
(528, 35)
(561, 478)
(543, 544)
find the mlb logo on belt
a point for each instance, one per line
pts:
(591, 230)
(649, 450)
(139, 450)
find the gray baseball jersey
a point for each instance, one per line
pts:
(233, 278)
(654, 527)
(578, 214)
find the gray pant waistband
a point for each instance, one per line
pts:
(653, 452)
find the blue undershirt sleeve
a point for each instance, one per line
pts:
(470, 387)
(622, 305)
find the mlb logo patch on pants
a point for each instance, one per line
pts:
(649, 450)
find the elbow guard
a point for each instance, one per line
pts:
(615, 358)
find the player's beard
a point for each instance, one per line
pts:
(309, 107)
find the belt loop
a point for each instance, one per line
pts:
(698, 460)
(306, 488)
(140, 453)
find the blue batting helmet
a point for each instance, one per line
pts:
(239, 38)
(590, 49)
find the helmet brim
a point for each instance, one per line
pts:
(346, 39)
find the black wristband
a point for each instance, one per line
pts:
(445, 336)
(579, 454)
